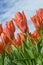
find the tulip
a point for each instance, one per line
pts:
(4, 38)
(1, 47)
(21, 21)
(1, 29)
(20, 37)
(18, 40)
(6, 32)
(7, 42)
(38, 19)
(35, 21)
(35, 35)
(39, 13)
(10, 28)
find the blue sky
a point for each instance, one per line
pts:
(8, 8)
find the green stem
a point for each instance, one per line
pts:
(3, 57)
(23, 55)
(2, 60)
(24, 58)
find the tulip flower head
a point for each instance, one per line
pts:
(10, 27)
(20, 38)
(39, 13)
(35, 35)
(7, 42)
(35, 21)
(38, 19)
(1, 47)
(21, 21)
(4, 37)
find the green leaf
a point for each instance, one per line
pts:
(30, 53)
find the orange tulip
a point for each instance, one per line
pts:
(7, 42)
(1, 47)
(21, 21)
(10, 28)
(35, 21)
(1, 29)
(4, 37)
(39, 13)
(18, 40)
(35, 35)
(20, 37)
(38, 19)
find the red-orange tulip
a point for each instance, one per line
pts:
(10, 28)
(1, 47)
(35, 35)
(18, 40)
(1, 29)
(40, 14)
(10, 40)
(4, 37)
(35, 21)
(21, 21)
(6, 31)
(20, 37)
(38, 19)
